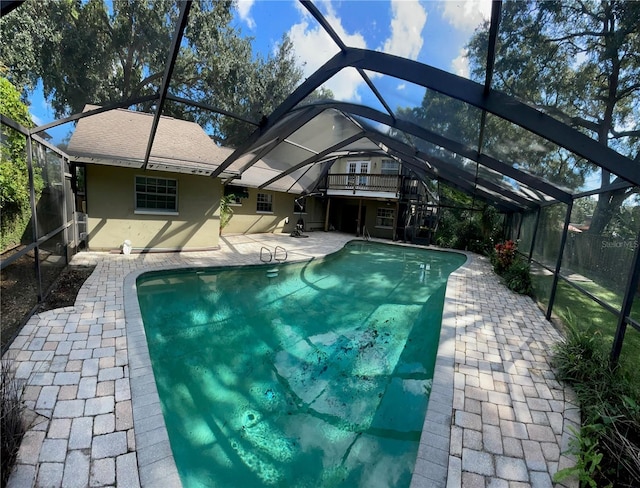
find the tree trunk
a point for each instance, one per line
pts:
(608, 205)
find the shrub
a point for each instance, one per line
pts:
(517, 277)
(515, 270)
(607, 447)
(504, 255)
(11, 421)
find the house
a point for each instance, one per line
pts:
(171, 204)
(376, 196)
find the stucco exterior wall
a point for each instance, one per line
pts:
(344, 215)
(112, 218)
(283, 218)
(371, 215)
(341, 165)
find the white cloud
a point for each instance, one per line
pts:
(244, 10)
(407, 22)
(402, 86)
(460, 65)
(466, 15)
(314, 47)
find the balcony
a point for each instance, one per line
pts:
(364, 185)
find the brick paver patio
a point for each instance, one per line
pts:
(496, 415)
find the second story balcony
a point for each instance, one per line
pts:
(363, 184)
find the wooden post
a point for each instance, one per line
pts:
(359, 217)
(395, 220)
(326, 216)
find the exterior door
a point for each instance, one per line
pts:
(358, 171)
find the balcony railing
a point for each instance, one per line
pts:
(363, 182)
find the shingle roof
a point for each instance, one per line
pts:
(119, 137)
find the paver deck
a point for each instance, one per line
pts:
(496, 415)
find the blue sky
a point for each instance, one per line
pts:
(433, 32)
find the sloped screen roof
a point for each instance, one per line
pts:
(471, 135)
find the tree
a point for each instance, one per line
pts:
(578, 61)
(84, 52)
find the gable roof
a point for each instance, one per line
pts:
(119, 138)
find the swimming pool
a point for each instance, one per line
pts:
(315, 375)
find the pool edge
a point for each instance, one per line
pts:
(156, 463)
(433, 461)
(155, 457)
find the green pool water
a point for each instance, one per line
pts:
(312, 374)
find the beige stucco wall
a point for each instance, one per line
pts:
(371, 215)
(111, 216)
(246, 220)
(344, 214)
(341, 165)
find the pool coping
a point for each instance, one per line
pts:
(155, 456)
(511, 420)
(432, 462)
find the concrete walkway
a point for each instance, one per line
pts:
(496, 416)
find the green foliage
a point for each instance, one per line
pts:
(573, 61)
(11, 421)
(85, 52)
(12, 230)
(515, 271)
(607, 448)
(463, 227)
(14, 177)
(517, 277)
(226, 210)
(584, 446)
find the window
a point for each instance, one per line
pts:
(389, 167)
(265, 203)
(239, 192)
(384, 217)
(156, 194)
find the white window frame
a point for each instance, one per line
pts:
(393, 170)
(264, 199)
(358, 173)
(149, 210)
(381, 220)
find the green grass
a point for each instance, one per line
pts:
(587, 314)
(606, 445)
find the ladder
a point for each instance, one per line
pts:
(279, 254)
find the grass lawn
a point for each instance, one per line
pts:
(573, 306)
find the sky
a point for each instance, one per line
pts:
(431, 32)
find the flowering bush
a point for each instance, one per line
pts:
(513, 268)
(505, 253)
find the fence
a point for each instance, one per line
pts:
(40, 238)
(585, 272)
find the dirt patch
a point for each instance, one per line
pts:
(19, 290)
(66, 287)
